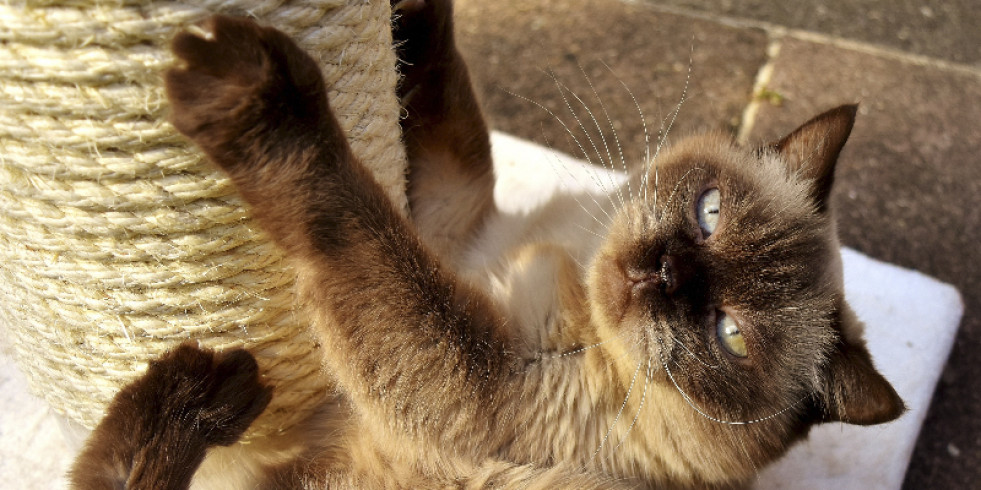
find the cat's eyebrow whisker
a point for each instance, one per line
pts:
(674, 117)
(671, 200)
(663, 139)
(647, 139)
(677, 186)
(691, 403)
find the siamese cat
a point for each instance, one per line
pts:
(682, 332)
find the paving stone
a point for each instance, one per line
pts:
(511, 44)
(907, 191)
(944, 29)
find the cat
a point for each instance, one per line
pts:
(681, 333)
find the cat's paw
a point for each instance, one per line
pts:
(422, 32)
(215, 396)
(235, 81)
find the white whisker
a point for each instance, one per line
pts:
(742, 446)
(677, 341)
(574, 139)
(691, 403)
(583, 228)
(665, 132)
(580, 350)
(548, 111)
(556, 165)
(677, 185)
(562, 91)
(568, 105)
(647, 136)
(606, 146)
(608, 163)
(613, 183)
(623, 405)
(643, 397)
(613, 130)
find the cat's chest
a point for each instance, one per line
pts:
(533, 267)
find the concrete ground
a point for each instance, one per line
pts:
(908, 182)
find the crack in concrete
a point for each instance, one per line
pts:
(763, 77)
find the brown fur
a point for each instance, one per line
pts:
(156, 431)
(451, 375)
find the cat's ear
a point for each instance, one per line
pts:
(855, 392)
(812, 149)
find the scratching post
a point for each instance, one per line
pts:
(118, 240)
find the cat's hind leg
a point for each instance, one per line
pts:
(157, 429)
(451, 180)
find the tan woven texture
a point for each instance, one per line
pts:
(117, 240)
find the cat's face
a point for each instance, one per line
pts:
(722, 273)
(725, 278)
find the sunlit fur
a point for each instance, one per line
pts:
(573, 346)
(771, 262)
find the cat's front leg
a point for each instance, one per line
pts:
(415, 348)
(157, 429)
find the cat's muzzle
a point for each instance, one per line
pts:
(666, 277)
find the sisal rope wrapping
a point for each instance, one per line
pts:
(117, 239)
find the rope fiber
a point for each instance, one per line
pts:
(118, 241)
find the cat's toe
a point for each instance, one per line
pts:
(221, 65)
(179, 363)
(222, 47)
(239, 399)
(214, 395)
(235, 81)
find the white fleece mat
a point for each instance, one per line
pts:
(911, 320)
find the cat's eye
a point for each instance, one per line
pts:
(730, 336)
(708, 209)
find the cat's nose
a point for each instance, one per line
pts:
(667, 272)
(674, 273)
